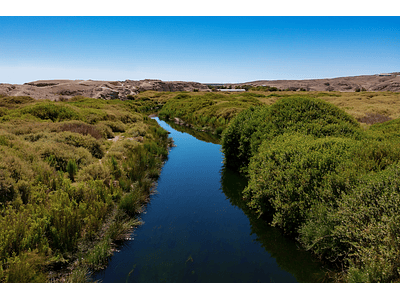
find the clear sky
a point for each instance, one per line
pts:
(204, 49)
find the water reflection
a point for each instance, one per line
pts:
(197, 229)
(200, 135)
(287, 252)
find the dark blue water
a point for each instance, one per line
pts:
(196, 229)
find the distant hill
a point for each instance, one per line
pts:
(64, 89)
(379, 82)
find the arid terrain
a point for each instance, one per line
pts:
(372, 83)
(65, 89)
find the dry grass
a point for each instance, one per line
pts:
(373, 118)
(360, 105)
(82, 128)
(366, 107)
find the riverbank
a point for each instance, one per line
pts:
(318, 176)
(67, 191)
(194, 232)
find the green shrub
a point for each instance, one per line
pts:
(52, 111)
(115, 168)
(105, 131)
(15, 101)
(72, 169)
(24, 188)
(25, 268)
(3, 111)
(86, 141)
(306, 115)
(131, 202)
(17, 168)
(98, 256)
(292, 172)
(58, 155)
(65, 222)
(208, 110)
(93, 171)
(362, 230)
(60, 215)
(389, 130)
(115, 126)
(7, 187)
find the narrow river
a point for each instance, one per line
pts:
(196, 229)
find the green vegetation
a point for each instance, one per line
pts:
(361, 230)
(246, 87)
(318, 166)
(264, 88)
(208, 111)
(66, 191)
(316, 174)
(304, 115)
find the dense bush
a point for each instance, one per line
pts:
(292, 172)
(15, 101)
(78, 140)
(58, 155)
(240, 141)
(60, 194)
(115, 126)
(362, 229)
(52, 111)
(208, 111)
(316, 175)
(387, 130)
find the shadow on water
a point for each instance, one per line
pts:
(287, 252)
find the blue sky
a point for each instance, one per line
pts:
(204, 49)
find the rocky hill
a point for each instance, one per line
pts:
(379, 82)
(64, 89)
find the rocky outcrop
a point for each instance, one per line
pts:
(65, 89)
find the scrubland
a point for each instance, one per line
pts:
(321, 166)
(67, 190)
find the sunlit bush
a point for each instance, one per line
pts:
(306, 115)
